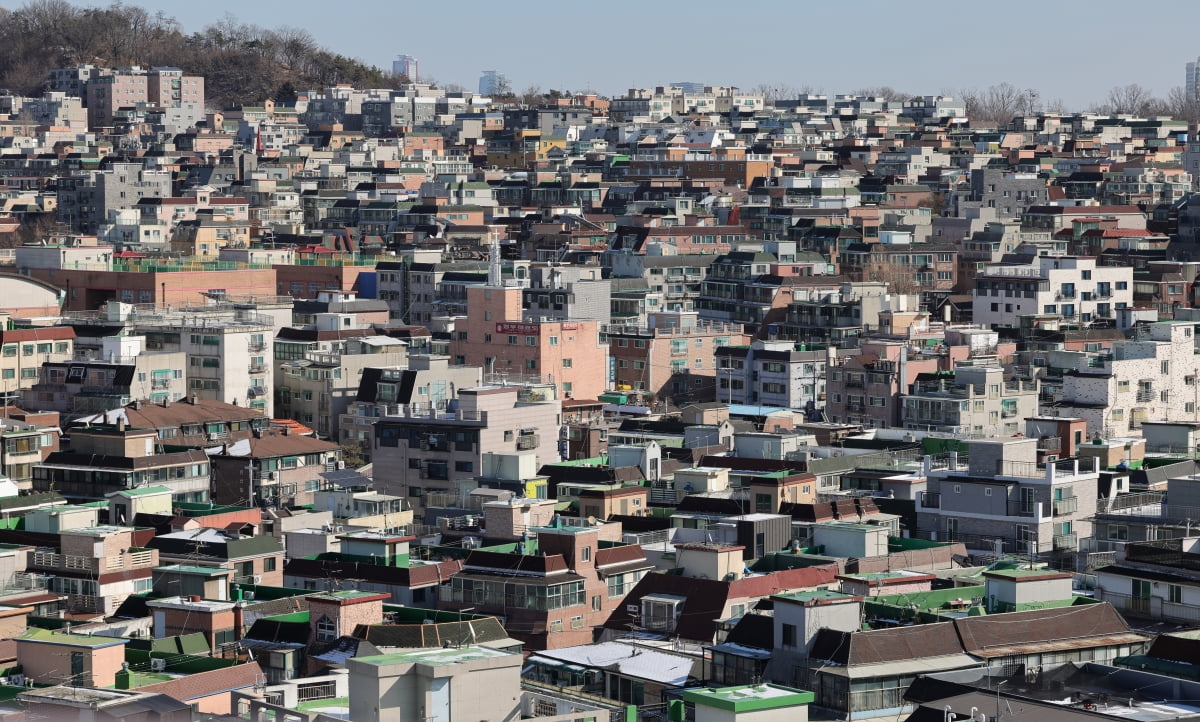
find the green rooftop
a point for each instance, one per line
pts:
(749, 698)
(45, 636)
(146, 491)
(814, 596)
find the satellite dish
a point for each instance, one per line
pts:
(591, 520)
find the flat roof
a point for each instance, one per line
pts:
(749, 698)
(816, 596)
(434, 657)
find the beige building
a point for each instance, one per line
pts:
(433, 450)
(436, 684)
(428, 381)
(318, 389)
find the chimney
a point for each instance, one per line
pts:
(285, 430)
(166, 402)
(194, 598)
(193, 399)
(120, 423)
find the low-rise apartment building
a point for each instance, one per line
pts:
(96, 568)
(427, 449)
(972, 401)
(1076, 289)
(428, 380)
(673, 356)
(106, 458)
(1151, 377)
(1002, 500)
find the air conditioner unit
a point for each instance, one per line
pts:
(158, 665)
(272, 476)
(248, 595)
(341, 465)
(17, 679)
(257, 578)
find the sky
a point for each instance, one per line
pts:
(1067, 50)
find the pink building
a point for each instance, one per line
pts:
(495, 336)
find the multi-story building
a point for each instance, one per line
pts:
(228, 346)
(672, 283)
(865, 388)
(273, 467)
(673, 356)
(191, 423)
(428, 380)
(85, 199)
(24, 350)
(558, 597)
(498, 336)
(427, 449)
(1152, 377)
(318, 389)
(107, 458)
(906, 267)
(25, 440)
(1002, 500)
(96, 568)
(109, 91)
(1076, 289)
(75, 388)
(972, 401)
(772, 373)
(254, 559)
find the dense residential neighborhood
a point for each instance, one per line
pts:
(692, 403)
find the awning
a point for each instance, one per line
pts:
(904, 667)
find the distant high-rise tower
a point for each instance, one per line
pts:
(406, 65)
(491, 82)
(1192, 85)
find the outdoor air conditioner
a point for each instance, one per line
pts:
(257, 578)
(341, 464)
(158, 665)
(271, 476)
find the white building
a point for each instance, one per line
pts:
(1074, 288)
(1149, 378)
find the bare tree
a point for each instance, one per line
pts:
(1181, 107)
(532, 95)
(883, 92)
(1132, 99)
(995, 105)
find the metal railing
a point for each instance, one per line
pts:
(1069, 505)
(1066, 541)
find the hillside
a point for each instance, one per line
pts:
(240, 63)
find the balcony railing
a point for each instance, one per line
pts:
(1145, 396)
(1024, 508)
(1066, 541)
(1069, 505)
(54, 560)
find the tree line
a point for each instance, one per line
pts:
(241, 63)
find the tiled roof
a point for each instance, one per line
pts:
(206, 684)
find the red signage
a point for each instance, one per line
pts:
(570, 327)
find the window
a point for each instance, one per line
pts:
(326, 629)
(269, 564)
(789, 635)
(586, 554)
(566, 363)
(1175, 594)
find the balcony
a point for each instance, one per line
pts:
(527, 443)
(54, 560)
(1024, 508)
(1145, 395)
(931, 500)
(1051, 444)
(1069, 505)
(257, 368)
(1066, 541)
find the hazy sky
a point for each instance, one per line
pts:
(1067, 49)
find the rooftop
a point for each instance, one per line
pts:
(434, 657)
(749, 698)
